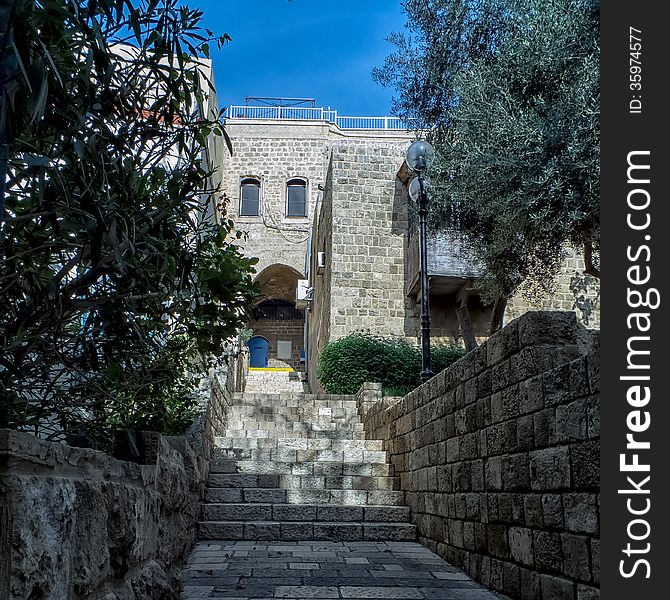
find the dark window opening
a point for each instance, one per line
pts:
(296, 192)
(277, 310)
(250, 193)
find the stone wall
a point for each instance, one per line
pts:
(318, 313)
(368, 233)
(77, 524)
(274, 154)
(81, 524)
(361, 228)
(214, 396)
(573, 290)
(499, 456)
(286, 330)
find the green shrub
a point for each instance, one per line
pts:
(347, 363)
(389, 392)
(444, 355)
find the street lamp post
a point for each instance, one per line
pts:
(420, 156)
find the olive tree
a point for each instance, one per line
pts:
(508, 91)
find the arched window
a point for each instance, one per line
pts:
(250, 193)
(296, 198)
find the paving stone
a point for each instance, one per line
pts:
(322, 569)
(306, 592)
(403, 593)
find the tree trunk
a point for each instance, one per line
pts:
(497, 314)
(589, 267)
(464, 320)
(465, 323)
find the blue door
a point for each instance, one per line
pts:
(259, 349)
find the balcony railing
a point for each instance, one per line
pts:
(292, 113)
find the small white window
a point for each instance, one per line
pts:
(284, 349)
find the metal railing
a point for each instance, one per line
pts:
(292, 113)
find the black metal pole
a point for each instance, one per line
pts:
(426, 371)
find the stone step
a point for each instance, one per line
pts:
(282, 496)
(288, 455)
(288, 422)
(293, 424)
(293, 400)
(293, 531)
(303, 482)
(261, 384)
(321, 415)
(282, 430)
(294, 408)
(284, 447)
(305, 410)
(274, 386)
(268, 443)
(330, 468)
(304, 513)
(305, 395)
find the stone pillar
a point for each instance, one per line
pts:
(368, 395)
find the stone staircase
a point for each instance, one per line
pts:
(274, 381)
(296, 466)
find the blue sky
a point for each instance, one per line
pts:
(304, 48)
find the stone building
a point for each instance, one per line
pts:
(324, 202)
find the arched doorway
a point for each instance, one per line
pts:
(276, 318)
(259, 351)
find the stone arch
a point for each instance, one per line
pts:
(278, 282)
(275, 316)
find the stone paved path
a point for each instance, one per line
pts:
(248, 570)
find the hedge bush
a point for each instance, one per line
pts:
(347, 363)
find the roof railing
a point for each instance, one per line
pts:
(294, 113)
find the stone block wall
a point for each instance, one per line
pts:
(274, 154)
(77, 524)
(80, 524)
(214, 396)
(292, 331)
(318, 314)
(573, 290)
(499, 456)
(361, 228)
(368, 238)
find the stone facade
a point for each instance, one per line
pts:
(368, 227)
(357, 244)
(355, 171)
(275, 153)
(292, 331)
(360, 230)
(369, 282)
(499, 457)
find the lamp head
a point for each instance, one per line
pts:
(415, 188)
(420, 156)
